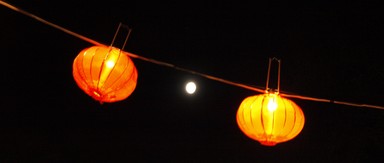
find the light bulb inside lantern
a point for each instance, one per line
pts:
(272, 105)
(110, 64)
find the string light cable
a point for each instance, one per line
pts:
(161, 63)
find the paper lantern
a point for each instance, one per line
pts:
(105, 73)
(270, 118)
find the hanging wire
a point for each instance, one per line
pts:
(161, 63)
(49, 23)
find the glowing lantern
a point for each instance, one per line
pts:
(270, 118)
(105, 73)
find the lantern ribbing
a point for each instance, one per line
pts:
(105, 73)
(161, 63)
(269, 118)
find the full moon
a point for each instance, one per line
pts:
(190, 87)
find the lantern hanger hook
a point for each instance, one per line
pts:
(278, 76)
(117, 31)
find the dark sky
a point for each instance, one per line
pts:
(328, 50)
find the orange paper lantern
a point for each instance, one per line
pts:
(105, 73)
(270, 118)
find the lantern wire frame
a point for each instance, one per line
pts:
(161, 63)
(277, 90)
(117, 31)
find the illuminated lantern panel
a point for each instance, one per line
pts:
(270, 118)
(105, 73)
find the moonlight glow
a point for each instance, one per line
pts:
(190, 87)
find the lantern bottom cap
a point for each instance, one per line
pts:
(268, 143)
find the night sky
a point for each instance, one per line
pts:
(328, 50)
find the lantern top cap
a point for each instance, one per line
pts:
(272, 91)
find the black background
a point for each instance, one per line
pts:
(328, 50)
